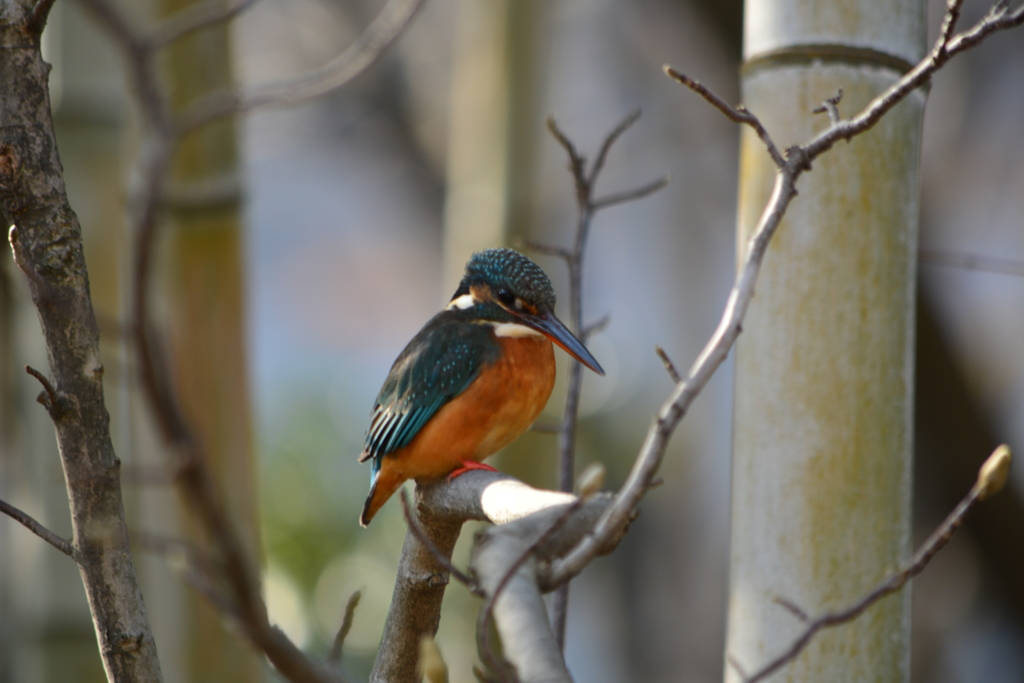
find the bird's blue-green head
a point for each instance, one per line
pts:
(504, 288)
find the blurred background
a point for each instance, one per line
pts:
(357, 213)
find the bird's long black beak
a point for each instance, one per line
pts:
(552, 328)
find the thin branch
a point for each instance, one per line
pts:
(792, 608)
(606, 146)
(831, 107)
(52, 401)
(669, 365)
(546, 428)
(548, 249)
(577, 163)
(630, 195)
(358, 57)
(61, 544)
(979, 262)
(194, 18)
(737, 114)
(991, 479)
(595, 327)
(949, 21)
(998, 18)
(439, 557)
(796, 161)
(587, 207)
(334, 656)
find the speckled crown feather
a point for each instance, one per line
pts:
(508, 268)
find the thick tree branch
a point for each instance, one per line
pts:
(441, 509)
(47, 246)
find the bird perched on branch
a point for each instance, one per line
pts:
(472, 380)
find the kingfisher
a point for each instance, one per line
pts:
(472, 380)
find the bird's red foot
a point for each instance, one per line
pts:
(467, 465)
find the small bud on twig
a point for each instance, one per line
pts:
(993, 473)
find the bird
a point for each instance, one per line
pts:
(472, 380)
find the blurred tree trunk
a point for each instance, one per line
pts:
(493, 105)
(493, 127)
(205, 280)
(824, 369)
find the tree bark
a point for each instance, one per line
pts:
(47, 246)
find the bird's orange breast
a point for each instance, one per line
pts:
(497, 407)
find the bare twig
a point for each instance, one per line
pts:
(669, 365)
(546, 428)
(738, 114)
(831, 107)
(991, 479)
(585, 183)
(631, 195)
(548, 249)
(334, 656)
(949, 21)
(793, 608)
(359, 56)
(979, 262)
(61, 544)
(796, 161)
(49, 399)
(606, 146)
(439, 556)
(595, 327)
(240, 597)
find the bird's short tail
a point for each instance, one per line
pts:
(384, 485)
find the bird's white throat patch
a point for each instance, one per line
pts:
(463, 302)
(515, 330)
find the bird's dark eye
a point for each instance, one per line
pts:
(506, 297)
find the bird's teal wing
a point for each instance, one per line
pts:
(438, 364)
